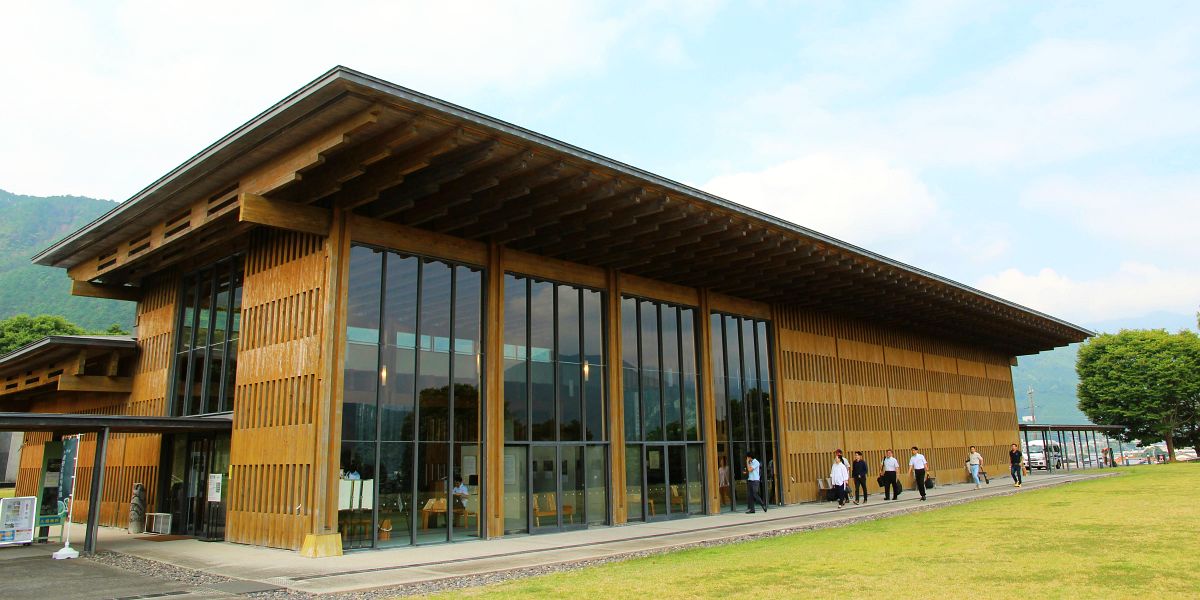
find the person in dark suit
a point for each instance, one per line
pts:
(858, 471)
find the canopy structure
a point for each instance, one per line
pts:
(384, 152)
(1071, 446)
(102, 426)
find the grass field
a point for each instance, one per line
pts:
(7, 492)
(1135, 535)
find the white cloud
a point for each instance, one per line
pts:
(1133, 290)
(1157, 213)
(860, 199)
(110, 96)
(1058, 99)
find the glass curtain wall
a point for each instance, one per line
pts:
(556, 451)
(411, 460)
(742, 384)
(664, 446)
(210, 313)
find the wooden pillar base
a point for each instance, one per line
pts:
(321, 545)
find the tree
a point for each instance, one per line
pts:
(1145, 380)
(19, 330)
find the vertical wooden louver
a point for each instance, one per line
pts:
(858, 386)
(272, 448)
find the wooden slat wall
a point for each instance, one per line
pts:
(857, 386)
(131, 457)
(272, 448)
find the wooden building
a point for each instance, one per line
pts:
(429, 325)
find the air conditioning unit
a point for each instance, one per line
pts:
(158, 523)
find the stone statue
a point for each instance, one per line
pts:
(137, 509)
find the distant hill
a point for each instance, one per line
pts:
(1053, 379)
(28, 224)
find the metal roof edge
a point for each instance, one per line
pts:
(104, 341)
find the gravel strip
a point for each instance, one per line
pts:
(158, 569)
(154, 568)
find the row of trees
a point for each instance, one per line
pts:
(1145, 380)
(19, 330)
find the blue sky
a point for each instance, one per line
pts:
(1045, 152)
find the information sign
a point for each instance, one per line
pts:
(214, 487)
(16, 520)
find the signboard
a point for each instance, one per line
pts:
(215, 481)
(66, 483)
(16, 520)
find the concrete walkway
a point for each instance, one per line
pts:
(371, 569)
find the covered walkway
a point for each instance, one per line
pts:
(103, 426)
(1071, 446)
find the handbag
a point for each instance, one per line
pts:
(879, 480)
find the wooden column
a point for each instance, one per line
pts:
(783, 469)
(324, 539)
(705, 363)
(616, 400)
(494, 392)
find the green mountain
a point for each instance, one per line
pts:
(1052, 377)
(28, 224)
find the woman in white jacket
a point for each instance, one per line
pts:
(839, 475)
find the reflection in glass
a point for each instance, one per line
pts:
(395, 494)
(544, 477)
(633, 482)
(656, 481)
(411, 385)
(356, 494)
(516, 495)
(554, 368)
(596, 486)
(434, 507)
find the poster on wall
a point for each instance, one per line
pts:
(16, 520)
(215, 480)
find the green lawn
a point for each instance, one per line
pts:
(1135, 535)
(7, 492)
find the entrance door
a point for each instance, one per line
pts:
(195, 486)
(673, 485)
(557, 488)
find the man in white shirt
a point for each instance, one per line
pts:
(916, 468)
(753, 480)
(891, 479)
(974, 463)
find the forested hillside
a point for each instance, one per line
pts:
(29, 224)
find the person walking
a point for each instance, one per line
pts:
(858, 470)
(974, 463)
(891, 476)
(753, 481)
(839, 478)
(1014, 465)
(916, 468)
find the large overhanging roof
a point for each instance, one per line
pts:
(390, 153)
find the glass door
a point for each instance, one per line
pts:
(559, 495)
(195, 485)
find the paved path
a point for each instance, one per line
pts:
(371, 569)
(28, 572)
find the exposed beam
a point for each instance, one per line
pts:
(290, 166)
(449, 167)
(94, 383)
(112, 292)
(392, 171)
(285, 215)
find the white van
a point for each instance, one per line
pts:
(1036, 451)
